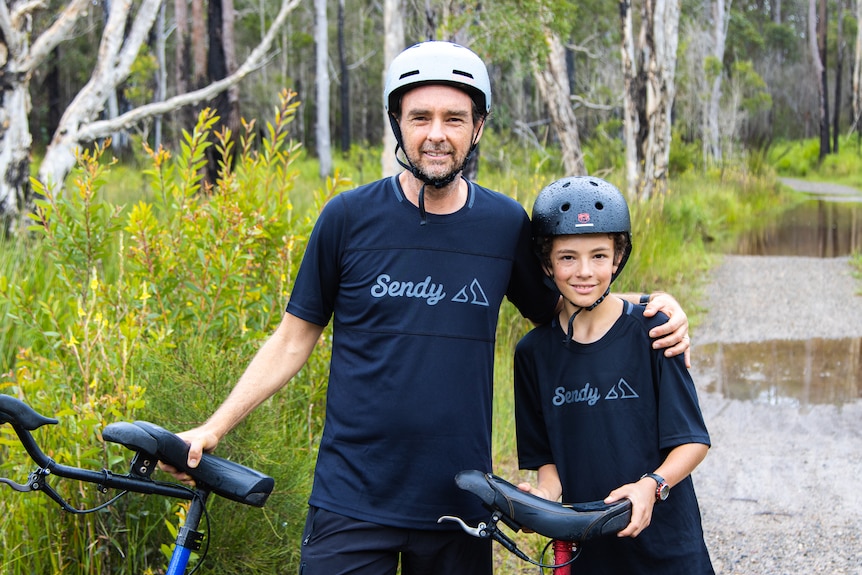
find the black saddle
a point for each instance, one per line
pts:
(560, 521)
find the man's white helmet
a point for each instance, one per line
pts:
(437, 62)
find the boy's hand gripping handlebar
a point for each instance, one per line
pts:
(575, 523)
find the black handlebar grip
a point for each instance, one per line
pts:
(16, 412)
(226, 478)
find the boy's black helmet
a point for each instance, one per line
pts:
(582, 205)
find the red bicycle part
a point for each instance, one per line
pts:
(563, 553)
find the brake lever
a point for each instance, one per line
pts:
(478, 531)
(490, 530)
(17, 486)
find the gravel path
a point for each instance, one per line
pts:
(780, 489)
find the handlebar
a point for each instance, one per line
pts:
(568, 525)
(576, 522)
(151, 444)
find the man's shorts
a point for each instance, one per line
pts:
(333, 544)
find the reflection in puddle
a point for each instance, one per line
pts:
(804, 372)
(814, 228)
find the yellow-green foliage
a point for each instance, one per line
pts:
(802, 159)
(150, 312)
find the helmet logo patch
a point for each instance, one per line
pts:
(584, 221)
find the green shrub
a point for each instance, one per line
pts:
(795, 158)
(152, 312)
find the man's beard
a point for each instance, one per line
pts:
(437, 179)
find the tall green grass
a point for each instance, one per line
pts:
(143, 294)
(802, 159)
(150, 311)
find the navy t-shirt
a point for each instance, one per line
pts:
(605, 413)
(414, 310)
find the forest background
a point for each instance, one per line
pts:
(140, 287)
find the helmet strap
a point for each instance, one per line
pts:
(570, 330)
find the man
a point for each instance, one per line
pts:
(412, 270)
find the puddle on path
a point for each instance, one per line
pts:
(815, 371)
(815, 228)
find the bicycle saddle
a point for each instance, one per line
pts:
(225, 478)
(16, 412)
(564, 522)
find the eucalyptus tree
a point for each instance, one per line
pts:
(839, 69)
(23, 50)
(536, 35)
(856, 93)
(322, 84)
(649, 69)
(720, 22)
(393, 44)
(817, 40)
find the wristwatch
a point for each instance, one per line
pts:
(662, 489)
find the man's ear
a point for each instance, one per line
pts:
(480, 131)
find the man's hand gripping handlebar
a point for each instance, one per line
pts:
(151, 444)
(575, 523)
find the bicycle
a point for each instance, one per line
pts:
(150, 444)
(568, 526)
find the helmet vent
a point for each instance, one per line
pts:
(600, 206)
(566, 207)
(462, 73)
(408, 74)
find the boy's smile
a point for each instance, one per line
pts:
(582, 267)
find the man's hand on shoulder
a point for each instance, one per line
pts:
(673, 335)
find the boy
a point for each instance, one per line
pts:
(600, 414)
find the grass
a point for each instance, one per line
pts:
(802, 159)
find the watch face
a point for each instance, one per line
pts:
(663, 491)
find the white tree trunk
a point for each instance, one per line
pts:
(15, 141)
(117, 52)
(321, 42)
(857, 70)
(553, 84)
(77, 126)
(631, 122)
(661, 91)
(393, 44)
(18, 59)
(161, 75)
(721, 21)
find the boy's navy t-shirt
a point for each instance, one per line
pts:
(414, 310)
(605, 413)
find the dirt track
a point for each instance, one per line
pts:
(780, 488)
